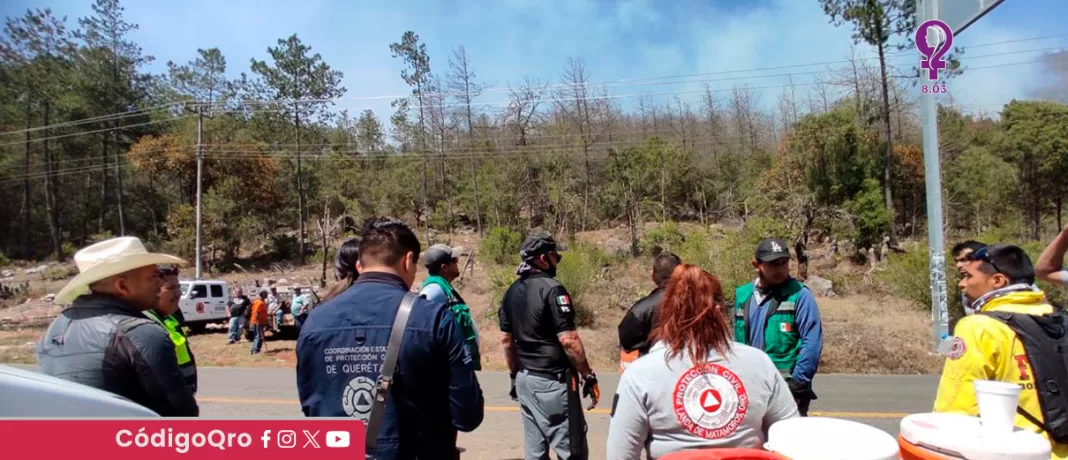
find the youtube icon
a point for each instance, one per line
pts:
(337, 439)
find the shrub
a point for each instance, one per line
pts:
(96, 238)
(578, 270)
(665, 236)
(69, 249)
(4, 261)
(331, 253)
(502, 245)
(732, 261)
(59, 272)
(500, 279)
(908, 277)
(284, 247)
(698, 250)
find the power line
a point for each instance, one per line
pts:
(603, 83)
(249, 152)
(624, 96)
(85, 133)
(119, 115)
(699, 123)
(697, 92)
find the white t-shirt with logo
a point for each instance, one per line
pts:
(665, 407)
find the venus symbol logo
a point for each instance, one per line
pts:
(934, 55)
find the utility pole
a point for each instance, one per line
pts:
(200, 169)
(953, 17)
(199, 109)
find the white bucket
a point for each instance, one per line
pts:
(825, 438)
(997, 404)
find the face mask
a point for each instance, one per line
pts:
(967, 304)
(551, 270)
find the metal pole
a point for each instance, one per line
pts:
(200, 167)
(933, 178)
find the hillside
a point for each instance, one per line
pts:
(866, 330)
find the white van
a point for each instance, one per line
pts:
(204, 302)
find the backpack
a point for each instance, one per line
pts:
(1045, 341)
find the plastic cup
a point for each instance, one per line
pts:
(997, 405)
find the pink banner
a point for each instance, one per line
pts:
(158, 439)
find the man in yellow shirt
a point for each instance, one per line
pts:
(986, 346)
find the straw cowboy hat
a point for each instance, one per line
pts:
(109, 258)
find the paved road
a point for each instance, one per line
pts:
(879, 401)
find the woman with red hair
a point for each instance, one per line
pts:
(696, 388)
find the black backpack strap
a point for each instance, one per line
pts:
(1045, 341)
(1031, 418)
(385, 378)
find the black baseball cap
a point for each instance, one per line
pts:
(538, 243)
(770, 249)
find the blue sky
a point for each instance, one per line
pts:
(627, 39)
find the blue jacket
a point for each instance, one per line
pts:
(339, 356)
(809, 326)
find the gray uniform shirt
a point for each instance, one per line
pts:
(670, 405)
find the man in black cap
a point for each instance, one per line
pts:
(545, 355)
(443, 263)
(779, 315)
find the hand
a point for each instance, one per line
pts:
(795, 386)
(591, 390)
(512, 392)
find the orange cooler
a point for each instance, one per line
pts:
(944, 436)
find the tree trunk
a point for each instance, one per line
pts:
(663, 190)
(118, 174)
(324, 228)
(887, 190)
(631, 207)
(300, 193)
(474, 169)
(444, 186)
(586, 185)
(27, 213)
(426, 165)
(86, 206)
(103, 182)
(50, 193)
(1059, 201)
(1036, 203)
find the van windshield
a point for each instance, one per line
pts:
(185, 289)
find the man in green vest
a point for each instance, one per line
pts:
(779, 315)
(164, 314)
(443, 263)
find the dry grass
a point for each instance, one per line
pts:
(866, 335)
(18, 347)
(862, 333)
(211, 349)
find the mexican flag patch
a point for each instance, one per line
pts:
(563, 300)
(786, 327)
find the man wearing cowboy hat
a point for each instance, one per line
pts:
(104, 340)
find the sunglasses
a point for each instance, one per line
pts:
(983, 254)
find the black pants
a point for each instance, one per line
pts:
(803, 400)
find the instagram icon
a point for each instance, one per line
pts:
(287, 439)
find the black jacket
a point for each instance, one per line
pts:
(636, 325)
(102, 342)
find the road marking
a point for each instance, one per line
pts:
(604, 411)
